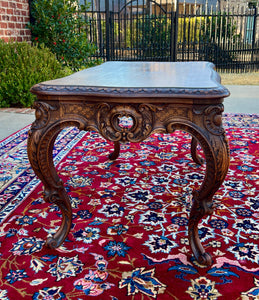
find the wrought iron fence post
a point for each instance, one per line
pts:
(107, 29)
(254, 34)
(174, 32)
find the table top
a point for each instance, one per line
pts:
(139, 79)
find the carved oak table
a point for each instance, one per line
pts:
(157, 97)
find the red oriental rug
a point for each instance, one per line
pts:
(129, 235)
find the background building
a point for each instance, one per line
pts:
(14, 16)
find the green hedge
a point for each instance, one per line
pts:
(21, 66)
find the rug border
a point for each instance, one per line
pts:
(29, 188)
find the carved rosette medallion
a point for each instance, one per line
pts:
(109, 121)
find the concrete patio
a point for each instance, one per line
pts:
(243, 99)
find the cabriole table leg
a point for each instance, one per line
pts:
(213, 140)
(217, 162)
(40, 147)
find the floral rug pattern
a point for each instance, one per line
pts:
(129, 233)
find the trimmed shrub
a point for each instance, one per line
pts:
(22, 66)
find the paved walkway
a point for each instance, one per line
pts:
(12, 120)
(243, 99)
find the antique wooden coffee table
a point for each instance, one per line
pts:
(157, 97)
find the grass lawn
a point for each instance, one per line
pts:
(240, 78)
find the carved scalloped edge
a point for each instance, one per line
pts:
(220, 91)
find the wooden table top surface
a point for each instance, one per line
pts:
(169, 79)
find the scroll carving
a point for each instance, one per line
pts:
(42, 114)
(212, 117)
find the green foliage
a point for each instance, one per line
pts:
(188, 28)
(252, 4)
(60, 26)
(22, 66)
(218, 28)
(150, 36)
(218, 33)
(154, 37)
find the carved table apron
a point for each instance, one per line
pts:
(157, 97)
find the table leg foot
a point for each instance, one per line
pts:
(60, 198)
(52, 242)
(196, 158)
(198, 211)
(205, 259)
(115, 154)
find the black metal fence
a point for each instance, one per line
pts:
(162, 31)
